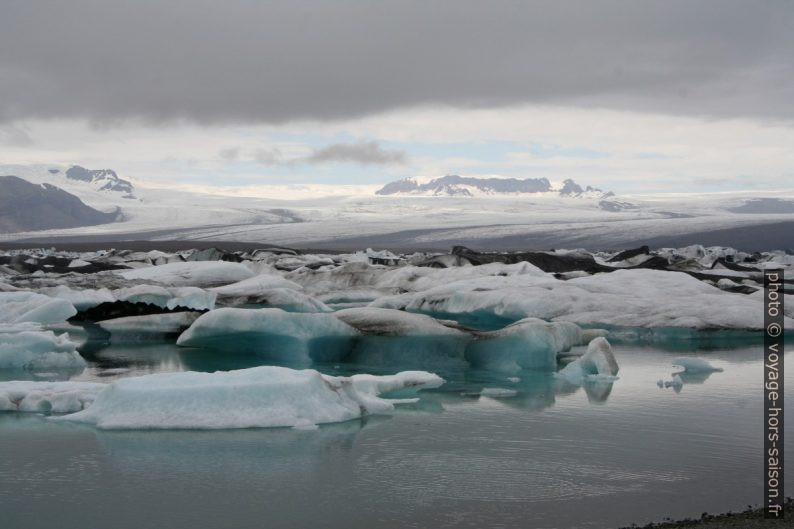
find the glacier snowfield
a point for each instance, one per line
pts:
(273, 387)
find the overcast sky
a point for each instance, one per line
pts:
(635, 96)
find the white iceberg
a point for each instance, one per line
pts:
(48, 397)
(203, 274)
(21, 306)
(29, 347)
(259, 397)
(274, 333)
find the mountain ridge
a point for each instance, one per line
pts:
(467, 186)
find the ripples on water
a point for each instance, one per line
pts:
(551, 456)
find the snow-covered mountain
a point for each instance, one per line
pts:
(103, 185)
(101, 179)
(467, 186)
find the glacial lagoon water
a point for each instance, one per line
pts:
(552, 456)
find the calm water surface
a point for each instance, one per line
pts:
(553, 456)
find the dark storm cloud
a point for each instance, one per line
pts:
(259, 61)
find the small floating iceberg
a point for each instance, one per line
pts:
(259, 397)
(598, 362)
(695, 365)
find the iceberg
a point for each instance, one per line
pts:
(31, 348)
(150, 327)
(598, 362)
(393, 337)
(282, 298)
(273, 333)
(22, 306)
(260, 397)
(640, 298)
(530, 343)
(203, 274)
(168, 298)
(48, 397)
(80, 299)
(249, 290)
(695, 365)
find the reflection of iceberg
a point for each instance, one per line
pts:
(250, 398)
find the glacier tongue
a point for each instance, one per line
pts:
(259, 397)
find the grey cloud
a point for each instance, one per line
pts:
(366, 153)
(271, 156)
(14, 136)
(263, 61)
(230, 154)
